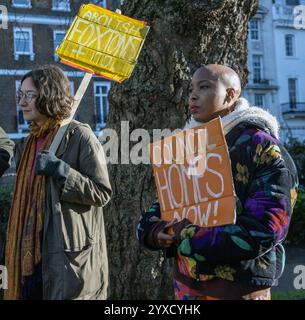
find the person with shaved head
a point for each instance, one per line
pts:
(214, 91)
(241, 261)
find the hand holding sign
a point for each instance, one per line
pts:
(166, 236)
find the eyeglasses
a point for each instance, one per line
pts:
(29, 96)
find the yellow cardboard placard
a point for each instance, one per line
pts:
(193, 175)
(103, 42)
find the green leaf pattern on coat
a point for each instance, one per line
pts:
(188, 232)
(185, 247)
(241, 243)
(266, 156)
(242, 173)
(225, 272)
(199, 257)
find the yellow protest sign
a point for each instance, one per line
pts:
(103, 42)
(192, 171)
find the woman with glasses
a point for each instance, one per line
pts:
(56, 245)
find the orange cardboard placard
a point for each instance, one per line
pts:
(193, 175)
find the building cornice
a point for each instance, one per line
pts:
(261, 87)
(21, 72)
(262, 10)
(39, 19)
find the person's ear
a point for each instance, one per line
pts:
(230, 94)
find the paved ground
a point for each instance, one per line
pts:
(294, 256)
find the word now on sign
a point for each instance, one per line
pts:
(103, 42)
(192, 171)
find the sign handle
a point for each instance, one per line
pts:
(64, 126)
(77, 99)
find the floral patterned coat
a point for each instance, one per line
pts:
(250, 251)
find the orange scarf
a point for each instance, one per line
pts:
(25, 225)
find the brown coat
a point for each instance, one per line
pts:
(74, 252)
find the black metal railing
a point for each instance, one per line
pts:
(293, 107)
(261, 81)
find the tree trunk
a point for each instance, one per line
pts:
(184, 35)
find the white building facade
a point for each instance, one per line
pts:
(276, 60)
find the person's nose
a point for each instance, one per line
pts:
(193, 96)
(23, 100)
(23, 104)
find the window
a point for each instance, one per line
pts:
(61, 5)
(257, 68)
(100, 3)
(23, 42)
(254, 29)
(21, 123)
(292, 91)
(259, 99)
(289, 45)
(292, 2)
(58, 36)
(22, 3)
(101, 90)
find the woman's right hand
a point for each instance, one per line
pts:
(166, 237)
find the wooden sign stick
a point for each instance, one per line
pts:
(64, 126)
(77, 99)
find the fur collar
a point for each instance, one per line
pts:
(243, 112)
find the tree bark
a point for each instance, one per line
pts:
(184, 35)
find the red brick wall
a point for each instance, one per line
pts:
(44, 54)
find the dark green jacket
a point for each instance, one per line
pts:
(74, 252)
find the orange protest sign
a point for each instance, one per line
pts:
(103, 42)
(192, 171)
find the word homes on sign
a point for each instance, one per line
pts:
(192, 171)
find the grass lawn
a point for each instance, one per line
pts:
(288, 295)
